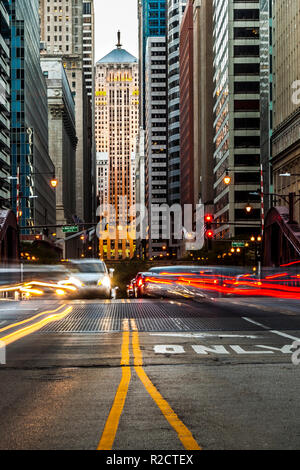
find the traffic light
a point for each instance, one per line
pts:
(208, 220)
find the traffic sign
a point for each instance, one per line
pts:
(238, 244)
(71, 229)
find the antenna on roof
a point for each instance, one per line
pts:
(119, 45)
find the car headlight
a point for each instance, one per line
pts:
(76, 282)
(105, 282)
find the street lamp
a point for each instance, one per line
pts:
(54, 182)
(227, 179)
(257, 239)
(248, 208)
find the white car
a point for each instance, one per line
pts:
(90, 277)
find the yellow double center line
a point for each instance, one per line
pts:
(112, 423)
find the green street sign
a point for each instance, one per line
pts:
(238, 244)
(71, 229)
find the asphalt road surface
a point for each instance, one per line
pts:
(149, 375)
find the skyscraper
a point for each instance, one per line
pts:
(286, 99)
(32, 168)
(187, 107)
(266, 96)
(237, 117)
(117, 125)
(203, 91)
(156, 121)
(152, 22)
(4, 105)
(62, 142)
(175, 10)
(67, 30)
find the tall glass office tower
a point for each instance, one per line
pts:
(152, 22)
(33, 197)
(4, 105)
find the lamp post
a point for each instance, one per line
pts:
(257, 240)
(53, 183)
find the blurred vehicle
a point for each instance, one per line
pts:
(177, 269)
(90, 277)
(130, 289)
(140, 285)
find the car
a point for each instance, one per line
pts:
(91, 277)
(130, 289)
(140, 284)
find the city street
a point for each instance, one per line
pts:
(149, 374)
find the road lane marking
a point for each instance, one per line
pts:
(285, 335)
(184, 434)
(27, 330)
(255, 323)
(112, 423)
(13, 325)
(203, 335)
(275, 332)
(217, 349)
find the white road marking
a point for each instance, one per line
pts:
(285, 335)
(203, 335)
(2, 352)
(168, 349)
(240, 350)
(255, 323)
(287, 349)
(218, 349)
(275, 332)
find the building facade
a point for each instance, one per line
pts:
(5, 194)
(186, 82)
(156, 121)
(203, 94)
(152, 22)
(33, 199)
(266, 98)
(67, 31)
(140, 193)
(117, 126)
(237, 117)
(102, 161)
(62, 140)
(175, 10)
(286, 100)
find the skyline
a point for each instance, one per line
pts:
(124, 16)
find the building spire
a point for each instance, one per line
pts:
(119, 45)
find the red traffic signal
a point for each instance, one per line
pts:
(210, 234)
(208, 218)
